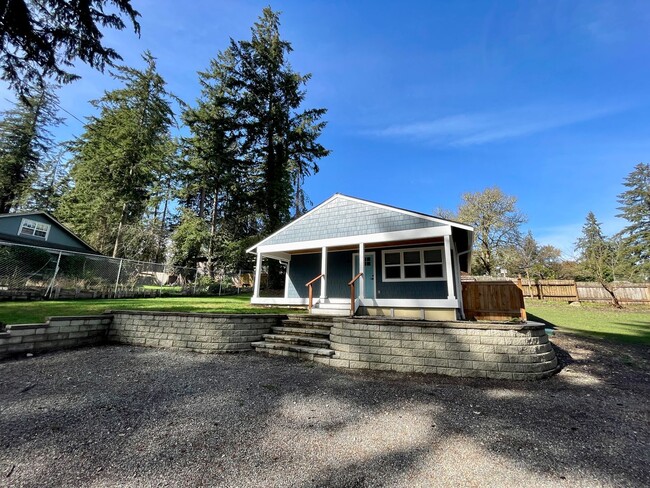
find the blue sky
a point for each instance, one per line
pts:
(427, 100)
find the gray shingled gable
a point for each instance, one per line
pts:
(342, 217)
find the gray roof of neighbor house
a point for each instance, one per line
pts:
(344, 216)
(59, 237)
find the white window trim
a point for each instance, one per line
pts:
(422, 264)
(36, 223)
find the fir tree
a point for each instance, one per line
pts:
(635, 208)
(252, 144)
(596, 256)
(42, 39)
(278, 136)
(26, 145)
(117, 160)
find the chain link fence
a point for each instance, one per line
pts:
(28, 272)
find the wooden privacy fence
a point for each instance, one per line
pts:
(563, 290)
(493, 300)
(625, 292)
(572, 291)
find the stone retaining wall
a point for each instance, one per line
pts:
(200, 332)
(503, 351)
(56, 333)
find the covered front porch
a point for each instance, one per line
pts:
(416, 277)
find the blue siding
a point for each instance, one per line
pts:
(339, 274)
(342, 218)
(303, 268)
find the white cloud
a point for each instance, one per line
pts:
(480, 128)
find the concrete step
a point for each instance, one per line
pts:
(297, 339)
(336, 312)
(301, 331)
(334, 306)
(310, 324)
(309, 318)
(305, 352)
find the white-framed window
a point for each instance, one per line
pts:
(31, 228)
(417, 264)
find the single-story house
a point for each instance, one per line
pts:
(40, 229)
(411, 261)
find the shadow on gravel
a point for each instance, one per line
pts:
(564, 358)
(120, 415)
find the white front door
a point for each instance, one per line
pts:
(368, 273)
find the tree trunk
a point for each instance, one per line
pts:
(119, 230)
(609, 290)
(530, 288)
(213, 230)
(162, 223)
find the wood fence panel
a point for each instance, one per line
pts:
(570, 291)
(493, 300)
(564, 290)
(625, 292)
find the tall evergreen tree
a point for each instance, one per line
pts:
(596, 256)
(118, 160)
(635, 208)
(214, 172)
(26, 145)
(278, 136)
(252, 144)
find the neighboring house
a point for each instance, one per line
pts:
(40, 229)
(411, 261)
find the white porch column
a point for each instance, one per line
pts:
(258, 275)
(286, 280)
(323, 271)
(459, 285)
(449, 270)
(362, 280)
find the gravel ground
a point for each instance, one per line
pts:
(124, 416)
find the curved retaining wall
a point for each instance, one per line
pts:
(503, 351)
(199, 332)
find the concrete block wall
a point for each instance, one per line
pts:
(57, 333)
(501, 351)
(199, 332)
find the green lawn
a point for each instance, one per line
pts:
(630, 324)
(35, 312)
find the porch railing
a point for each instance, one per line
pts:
(311, 291)
(351, 284)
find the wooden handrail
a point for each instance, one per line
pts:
(314, 280)
(359, 275)
(352, 292)
(311, 291)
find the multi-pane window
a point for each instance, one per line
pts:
(413, 264)
(31, 228)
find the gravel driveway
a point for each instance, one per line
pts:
(124, 416)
